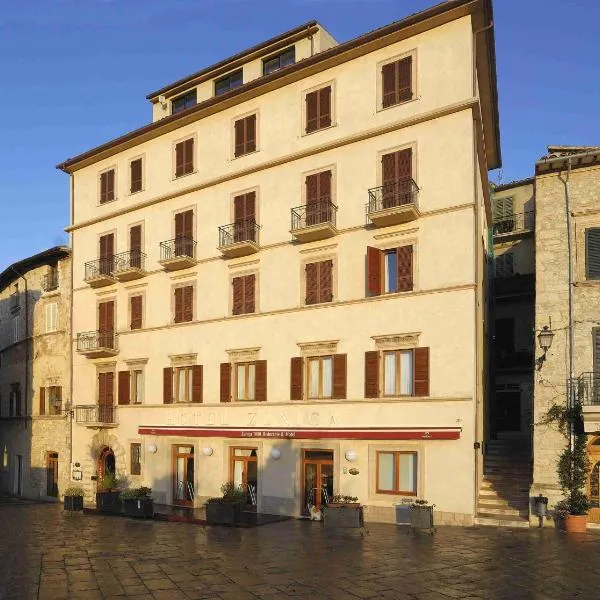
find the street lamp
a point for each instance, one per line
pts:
(545, 337)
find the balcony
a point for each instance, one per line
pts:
(587, 391)
(516, 224)
(99, 273)
(129, 265)
(393, 203)
(96, 416)
(313, 222)
(97, 344)
(179, 253)
(239, 239)
(50, 281)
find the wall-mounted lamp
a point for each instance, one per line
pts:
(351, 455)
(545, 337)
(207, 451)
(275, 453)
(152, 448)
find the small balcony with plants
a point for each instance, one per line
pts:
(239, 239)
(96, 416)
(393, 203)
(99, 273)
(315, 221)
(586, 390)
(179, 253)
(97, 344)
(130, 265)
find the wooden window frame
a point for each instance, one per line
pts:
(141, 158)
(414, 79)
(189, 381)
(176, 177)
(396, 491)
(334, 275)
(307, 377)
(241, 117)
(138, 463)
(246, 365)
(185, 284)
(412, 146)
(398, 353)
(243, 274)
(133, 386)
(115, 188)
(332, 109)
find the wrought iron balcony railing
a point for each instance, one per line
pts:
(587, 388)
(393, 195)
(96, 413)
(101, 267)
(129, 260)
(317, 213)
(245, 230)
(516, 223)
(180, 246)
(50, 280)
(89, 341)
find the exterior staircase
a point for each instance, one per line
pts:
(507, 473)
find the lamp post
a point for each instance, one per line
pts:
(545, 337)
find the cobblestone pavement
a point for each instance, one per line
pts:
(50, 555)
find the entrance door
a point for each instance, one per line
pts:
(508, 411)
(244, 473)
(317, 478)
(183, 475)
(107, 465)
(18, 475)
(52, 474)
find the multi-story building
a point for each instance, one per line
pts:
(567, 247)
(35, 367)
(279, 281)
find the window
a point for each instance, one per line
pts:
(319, 282)
(592, 253)
(249, 381)
(14, 400)
(51, 317)
(397, 473)
(245, 135)
(244, 294)
(504, 265)
(318, 109)
(389, 271)
(135, 453)
(283, 59)
(397, 186)
(16, 333)
(398, 373)
(320, 377)
(184, 304)
(319, 208)
(51, 400)
(135, 312)
(396, 78)
(325, 377)
(184, 101)
(229, 82)
(245, 375)
(131, 386)
(137, 386)
(184, 158)
(50, 279)
(182, 384)
(107, 186)
(135, 174)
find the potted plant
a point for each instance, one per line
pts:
(108, 498)
(343, 512)
(421, 515)
(226, 510)
(137, 502)
(74, 498)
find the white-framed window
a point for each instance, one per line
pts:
(245, 376)
(137, 386)
(320, 377)
(397, 472)
(51, 317)
(398, 373)
(16, 329)
(182, 384)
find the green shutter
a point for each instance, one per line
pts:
(592, 253)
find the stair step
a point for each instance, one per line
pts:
(487, 511)
(491, 522)
(503, 502)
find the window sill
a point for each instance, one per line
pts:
(178, 177)
(381, 108)
(234, 157)
(135, 193)
(107, 202)
(308, 133)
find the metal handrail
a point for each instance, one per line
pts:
(132, 259)
(243, 230)
(587, 388)
(96, 340)
(392, 195)
(181, 246)
(95, 413)
(315, 213)
(99, 268)
(514, 223)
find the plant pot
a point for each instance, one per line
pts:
(224, 513)
(575, 523)
(109, 502)
(421, 517)
(343, 516)
(73, 503)
(141, 508)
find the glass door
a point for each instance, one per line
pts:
(52, 474)
(183, 475)
(317, 469)
(244, 473)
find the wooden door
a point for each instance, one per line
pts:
(184, 233)
(107, 253)
(183, 475)
(52, 474)
(135, 247)
(244, 216)
(106, 324)
(244, 473)
(396, 175)
(317, 478)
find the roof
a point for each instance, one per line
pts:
(489, 93)
(560, 158)
(19, 268)
(514, 184)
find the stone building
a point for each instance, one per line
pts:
(567, 242)
(35, 303)
(280, 281)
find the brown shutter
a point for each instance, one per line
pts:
(249, 293)
(250, 133)
(42, 401)
(260, 392)
(188, 152)
(240, 138)
(188, 224)
(107, 246)
(403, 165)
(110, 185)
(372, 374)
(188, 303)
(404, 73)
(102, 389)
(421, 372)
(339, 376)
(296, 378)
(326, 281)
(167, 385)
(374, 279)
(324, 186)
(179, 225)
(405, 268)
(59, 394)
(136, 175)
(312, 115)
(103, 185)
(225, 382)
(312, 188)
(325, 107)
(135, 239)
(106, 316)
(238, 295)
(312, 283)
(124, 387)
(135, 303)
(388, 77)
(388, 169)
(110, 388)
(179, 158)
(178, 305)
(197, 381)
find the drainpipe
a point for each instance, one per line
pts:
(26, 340)
(70, 339)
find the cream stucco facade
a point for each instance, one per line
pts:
(451, 131)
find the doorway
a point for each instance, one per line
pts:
(508, 411)
(107, 464)
(183, 475)
(317, 478)
(244, 473)
(18, 475)
(52, 474)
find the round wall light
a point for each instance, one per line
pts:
(152, 448)
(275, 453)
(351, 455)
(207, 451)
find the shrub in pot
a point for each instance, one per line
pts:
(108, 498)
(343, 512)
(137, 502)
(421, 515)
(227, 509)
(74, 498)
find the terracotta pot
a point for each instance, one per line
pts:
(575, 523)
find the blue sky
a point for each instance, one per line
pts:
(74, 73)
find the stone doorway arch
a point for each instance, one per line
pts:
(107, 463)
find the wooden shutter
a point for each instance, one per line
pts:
(107, 186)
(225, 382)
(596, 339)
(135, 306)
(312, 114)
(197, 383)
(404, 71)
(188, 303)
(240, 137)
(238, 295)
(110, 388)
(58, 389)
(107, 246)
(397, 82)
(312, 283)
(421, 387)
(325, 281)
(188, 156)
(179, 225)
(388, 78)
(167, 385)
(592, 253)
(250, 124)
(42, 401)
(296, 378)
(325, 107)
(106, 316)
(249, 293)
(503, 208)
(244, 207)
(179, 305)
(372, 374)
(136, 175)
(396, 166)
(179, 159)
(374, 271)
(339, 376)
(124, 387)
(102, 389)
(405, 268)
(135, 240)
(260, 392)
